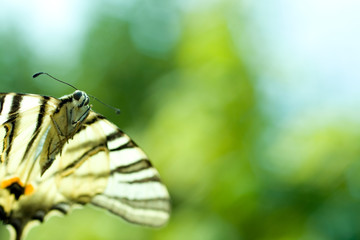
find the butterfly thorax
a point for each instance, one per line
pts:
(65, 122)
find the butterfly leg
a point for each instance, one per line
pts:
(56, 126)
(54, 146)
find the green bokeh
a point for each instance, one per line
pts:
(189, 99)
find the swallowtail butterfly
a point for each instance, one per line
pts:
(58, 153)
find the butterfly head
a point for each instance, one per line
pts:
(80, 106)
(81, 98)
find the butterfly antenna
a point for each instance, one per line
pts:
(44, 73)
(117, 111)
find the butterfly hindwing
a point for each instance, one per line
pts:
(143, 199)
(115, 171)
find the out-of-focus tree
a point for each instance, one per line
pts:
(181, 76)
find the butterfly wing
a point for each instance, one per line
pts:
(99, 164)
(24, 119)
(102, 165)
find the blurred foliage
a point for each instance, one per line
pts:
(191, 101)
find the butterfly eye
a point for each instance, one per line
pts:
(77, 95)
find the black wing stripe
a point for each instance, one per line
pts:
(2, 158)
(115, 135)
(63, 101)
(5, 142)
(76, 163)
(154, 178)
(158, 204)
(129, 144)
(62, 207)
(2, 98)
(39, 122)
(18, 225)
(161, 204)
(154, 212)
(133, 167)
(39, 215)
(89, 121)
(13, 114)
(83, 145)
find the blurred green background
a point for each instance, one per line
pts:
(248, 109)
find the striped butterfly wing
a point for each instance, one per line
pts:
(24, 119)
(117, 173)
(57, 153)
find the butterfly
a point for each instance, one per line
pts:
(58, 153)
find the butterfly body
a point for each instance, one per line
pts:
(58, 153)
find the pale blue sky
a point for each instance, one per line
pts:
(308, 56)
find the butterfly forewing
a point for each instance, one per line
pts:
(56, 154)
